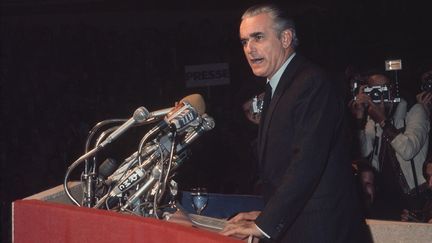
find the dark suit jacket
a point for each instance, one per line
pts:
(307, 181)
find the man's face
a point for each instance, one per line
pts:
(377, 80)
(264, 49)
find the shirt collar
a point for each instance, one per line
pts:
(274, 81)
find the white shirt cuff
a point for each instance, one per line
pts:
(262, 232)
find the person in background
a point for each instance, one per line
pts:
(305, 174)
(394, 139)
(426, 96)
(424, 212)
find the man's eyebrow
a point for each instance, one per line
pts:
(252, 35)
(255, 34)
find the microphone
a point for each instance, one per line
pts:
(135, 175)
(151, 151)
(195, 100)
(139, 172)
(207, 123)
(140, 115)
(107, 168)
(155, 175)
(178, 118)
(131, 161)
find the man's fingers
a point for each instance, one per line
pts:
(236, 218)
(244, 216)
(233, 230)
(241, 230)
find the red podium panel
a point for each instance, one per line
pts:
(46, 222)
(49, 217)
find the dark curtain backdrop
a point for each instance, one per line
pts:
(68, 65)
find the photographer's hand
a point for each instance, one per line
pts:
(376, 112)
(250, 115)
(425, 98)
(358, 105)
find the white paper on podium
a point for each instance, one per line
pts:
(208, 222)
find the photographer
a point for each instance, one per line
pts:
(394, 139)
(423, 211)
(426, 91)
(426, 97)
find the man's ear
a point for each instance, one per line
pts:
(286, 38)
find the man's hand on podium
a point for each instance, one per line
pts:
(242, 226)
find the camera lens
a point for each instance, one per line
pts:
(375, 95)
(427, 84)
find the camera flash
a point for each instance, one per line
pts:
(391, 65)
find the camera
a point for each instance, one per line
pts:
(256, 105)
(393, 65)
(427, 84)
(377, 93)
(356, 82)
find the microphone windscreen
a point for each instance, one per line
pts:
(196, 101)
(107, 168)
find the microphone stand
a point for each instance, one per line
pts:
(157, 176)
(89, 175)
(89, 195)
(139, 155)
(89, 179)
(157, 198)
(72, 167)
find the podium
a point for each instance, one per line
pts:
(48, 217)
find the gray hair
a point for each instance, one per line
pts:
(281, 20)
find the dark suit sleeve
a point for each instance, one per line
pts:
(317, 115)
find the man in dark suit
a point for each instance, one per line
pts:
(307, 183)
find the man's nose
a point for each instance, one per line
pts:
(250, 47)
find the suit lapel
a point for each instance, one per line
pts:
(284, 83)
